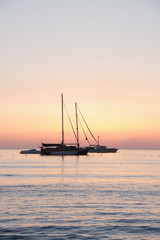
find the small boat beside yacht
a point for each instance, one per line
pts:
(30, 151)
(97, 148)
(102, 149)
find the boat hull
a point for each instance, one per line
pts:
(65, 151)
(69, 153)
(102, 149)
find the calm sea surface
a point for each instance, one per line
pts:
(99, 196)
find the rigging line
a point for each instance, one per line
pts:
(84, 132)
(70, 121)
(87, 126)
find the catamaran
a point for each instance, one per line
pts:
(62, 148)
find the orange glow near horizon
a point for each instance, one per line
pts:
(27, 128)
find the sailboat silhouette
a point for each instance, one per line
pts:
(61, 148)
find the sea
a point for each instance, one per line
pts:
(99, 196)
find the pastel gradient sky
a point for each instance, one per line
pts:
(102, 54)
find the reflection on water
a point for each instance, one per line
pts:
(64, 167)
(99, 196)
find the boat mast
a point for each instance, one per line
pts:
(62, 121)
(77, 125)
(98, 140)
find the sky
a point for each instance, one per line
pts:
(102, 54)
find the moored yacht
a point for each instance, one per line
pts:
(61, 148)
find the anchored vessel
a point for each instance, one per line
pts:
(61, 148)
(102, 149)
(97, 148)
(31, 151)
